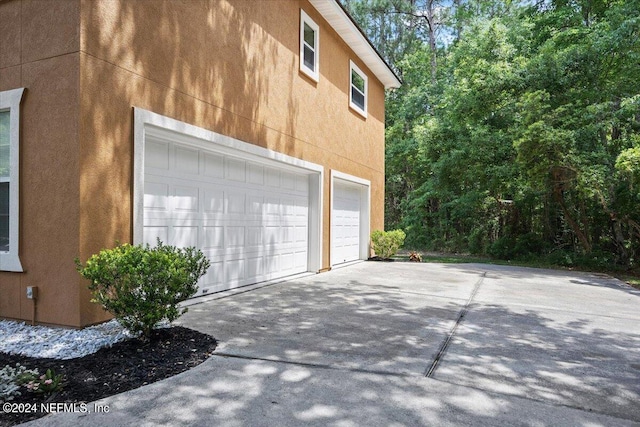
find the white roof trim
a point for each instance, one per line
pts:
(333, 13)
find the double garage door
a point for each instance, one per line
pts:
(251, 219)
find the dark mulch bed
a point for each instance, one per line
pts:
(125, 366)
(377, 258)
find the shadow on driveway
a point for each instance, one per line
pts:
(565, 347)
(351, 348)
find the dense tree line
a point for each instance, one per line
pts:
(517, 130)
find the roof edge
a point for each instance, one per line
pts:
(339, 19)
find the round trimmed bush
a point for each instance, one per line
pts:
(142, 285)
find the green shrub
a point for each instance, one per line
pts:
(597, 260)
(386, 243)
(529, 245)
(503, 248)
(142, 286)
(477, 241)
(560, 257)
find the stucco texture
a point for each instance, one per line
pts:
(227, 66)
(39, 51)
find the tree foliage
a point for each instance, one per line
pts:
(525, 142)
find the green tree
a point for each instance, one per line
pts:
(524, 139)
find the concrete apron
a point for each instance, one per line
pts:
(501, 346)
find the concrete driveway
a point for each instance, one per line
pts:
(403, 344)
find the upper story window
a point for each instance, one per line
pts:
(9, 191)
(309, 46)
(358, 90)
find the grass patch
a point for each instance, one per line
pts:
(471, 259)
(631, 280)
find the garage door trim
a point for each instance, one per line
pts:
(147, 123)
(365, 209)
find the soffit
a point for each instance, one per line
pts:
(342, 23)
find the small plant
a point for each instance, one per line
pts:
(44, 384)
(11, 378)
(415, 256)
(142, 286)
(386, 243)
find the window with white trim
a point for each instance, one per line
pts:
(309, 46)
(9, 191)
(358, 89)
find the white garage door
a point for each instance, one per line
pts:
(249, 219)
(345, 227)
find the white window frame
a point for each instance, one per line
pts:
(311, 73)
(10, 101)
(362, 111)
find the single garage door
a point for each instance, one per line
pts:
(346, 217)
(249, 218)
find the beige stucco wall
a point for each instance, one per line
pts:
(227, 66)
(39, 50)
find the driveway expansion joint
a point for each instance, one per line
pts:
(313, 365)
(461, 315)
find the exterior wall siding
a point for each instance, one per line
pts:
(39, 50)
(230, 66)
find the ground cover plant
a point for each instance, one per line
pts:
(124, 366)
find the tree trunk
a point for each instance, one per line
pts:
(575, 227)
(620, 240)
(431, 25)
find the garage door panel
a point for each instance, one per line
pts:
(255, 205)
(234, 270)
(254, 237)
(287, 181)
(302, 184)
(156, 196)
(272, 206)
(272, 263)
(185, 236)
(213, 237)
(235, 203)
(235, 170)
(213, 165)
(214, 277)
(255, 174)
(153, 233)
(287, 261)
(213, 201)
(288, 234)
(272, 177)
(302, 208)
(288, 207)
(234, 236)
(185, 198)
(187, 161)
(156, 155)
(302, 234)
(255, 266)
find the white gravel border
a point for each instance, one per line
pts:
(58, 343)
